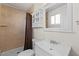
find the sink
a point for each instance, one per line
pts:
(53, 42)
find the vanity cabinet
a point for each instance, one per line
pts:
(76, 17)
(45, 48)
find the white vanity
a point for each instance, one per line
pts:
(51, 48)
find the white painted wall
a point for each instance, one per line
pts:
(69, 38)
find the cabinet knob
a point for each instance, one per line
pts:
(77, 22)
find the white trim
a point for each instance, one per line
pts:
(12, 52)
(53, 29)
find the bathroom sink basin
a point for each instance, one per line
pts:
(53, 42)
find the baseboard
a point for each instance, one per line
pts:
(12, 52)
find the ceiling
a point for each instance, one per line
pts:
(21, 6)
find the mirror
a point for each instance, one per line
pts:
(58, 17)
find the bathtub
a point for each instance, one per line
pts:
(51, 48)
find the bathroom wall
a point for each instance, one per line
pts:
(68, 38)
(12, 28)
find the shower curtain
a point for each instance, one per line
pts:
(28, 32)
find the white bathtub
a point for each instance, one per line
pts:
(44, 48)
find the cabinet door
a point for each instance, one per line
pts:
(0, 14)
(0, 28)
(3, 25)
(6, 15)
(76, 11)
(75, 16)
(3, 15)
